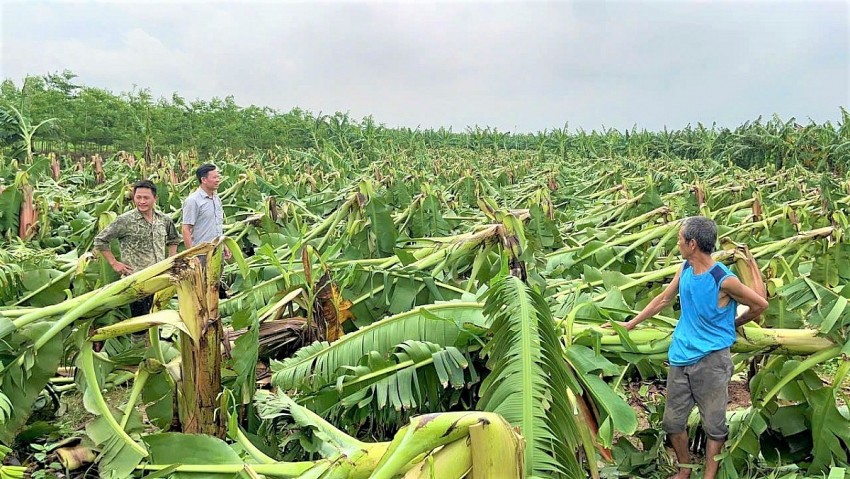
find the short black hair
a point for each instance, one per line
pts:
(204, 170)
(144, 184)
(701, 229)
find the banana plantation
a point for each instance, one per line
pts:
(413, 311)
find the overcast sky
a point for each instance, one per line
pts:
(521, 66)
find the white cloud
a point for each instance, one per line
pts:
(511, 65)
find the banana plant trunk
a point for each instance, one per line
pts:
(200, 385)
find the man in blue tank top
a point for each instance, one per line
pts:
(700, 363)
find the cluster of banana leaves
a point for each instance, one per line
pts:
(371, 291)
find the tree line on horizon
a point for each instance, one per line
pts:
(91, 120)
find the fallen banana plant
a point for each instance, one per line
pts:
(471, 444)
(448, 445)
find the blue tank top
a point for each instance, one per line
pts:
(703, 327)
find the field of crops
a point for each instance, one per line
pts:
(371, 289)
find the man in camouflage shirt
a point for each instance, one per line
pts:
(142, 235)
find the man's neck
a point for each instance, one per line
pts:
(148, 215)
(701, 262)
(208, 191)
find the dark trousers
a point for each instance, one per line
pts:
(141, 307)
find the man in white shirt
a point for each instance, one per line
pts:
(203, 215)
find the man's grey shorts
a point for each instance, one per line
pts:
(705, 383)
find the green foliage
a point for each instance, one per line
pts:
(244, 356)
(415, 376)
(175, 448)
(316, 365)
(117, 460)
(826, 310)
(96, 120)
(529, 379)
(29, 370)
(410, 227)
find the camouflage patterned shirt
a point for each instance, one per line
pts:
(141, 243)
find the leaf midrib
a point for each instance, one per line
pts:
(527, 373)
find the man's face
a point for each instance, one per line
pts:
(212, 180)
(686, 247)
(144, 199)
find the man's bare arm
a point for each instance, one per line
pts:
(187, 235)
(658, 303)
(743, 294)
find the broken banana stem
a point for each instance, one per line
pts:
(452, 461)
(425, 433)
(138, 324)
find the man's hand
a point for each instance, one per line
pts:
(118, 266)
(745, 296)
(121, 268)
(627, 324)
